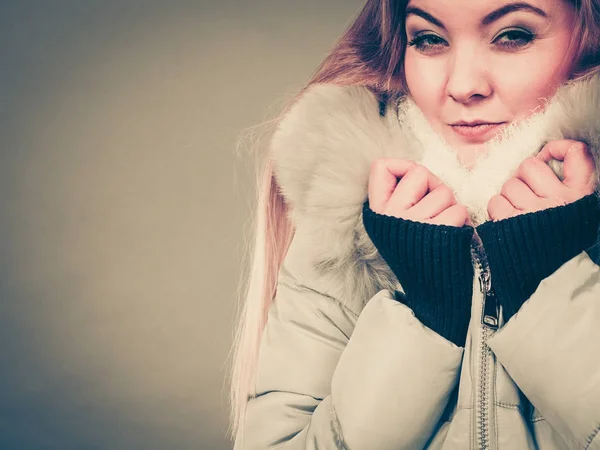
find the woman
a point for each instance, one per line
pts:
(421, 281)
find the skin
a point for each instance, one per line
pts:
(459, 68)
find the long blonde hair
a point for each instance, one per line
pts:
(370, 53)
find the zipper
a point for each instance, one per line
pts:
(489, 311)
(484, 408)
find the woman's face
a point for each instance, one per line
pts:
(490, 61)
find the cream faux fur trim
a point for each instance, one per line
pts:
(324, 146)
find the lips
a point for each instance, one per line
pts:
(477, 131)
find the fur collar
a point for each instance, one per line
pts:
(324, 146)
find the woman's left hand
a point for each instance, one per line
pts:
(536, 187)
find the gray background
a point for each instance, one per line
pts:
(123, 202)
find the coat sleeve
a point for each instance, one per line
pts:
(551, 349)
(328, 378)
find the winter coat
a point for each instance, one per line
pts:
(343, 365)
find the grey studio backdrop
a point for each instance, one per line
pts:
(124, 196)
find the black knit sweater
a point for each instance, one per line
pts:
(433, 262)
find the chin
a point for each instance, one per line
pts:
(468, 154)
(469, 160)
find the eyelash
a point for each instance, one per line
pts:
(419, 41)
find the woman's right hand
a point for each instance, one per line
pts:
(417, 226)
(419, 196)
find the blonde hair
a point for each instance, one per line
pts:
(370, 54)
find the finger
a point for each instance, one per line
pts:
(556, 149)
(519, 194)
(540, 178)
(432, 204)
(578, 167)
(455, 216)
(383, 178)
(500, 208)
(411, 189)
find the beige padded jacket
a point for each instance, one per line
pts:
(342, 365)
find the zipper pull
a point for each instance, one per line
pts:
(490, 311)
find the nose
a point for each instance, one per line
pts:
(467, 77)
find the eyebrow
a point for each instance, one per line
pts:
(491, 17)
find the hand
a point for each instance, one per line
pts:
(420, 196)
(523, 249)
(536, 187)
(417, 227)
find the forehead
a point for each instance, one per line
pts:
(480, 9)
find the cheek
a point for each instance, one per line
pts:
(425, 81)
(523, 89)
(534, 75)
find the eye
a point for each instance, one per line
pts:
(426, 43)
(514, 39)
